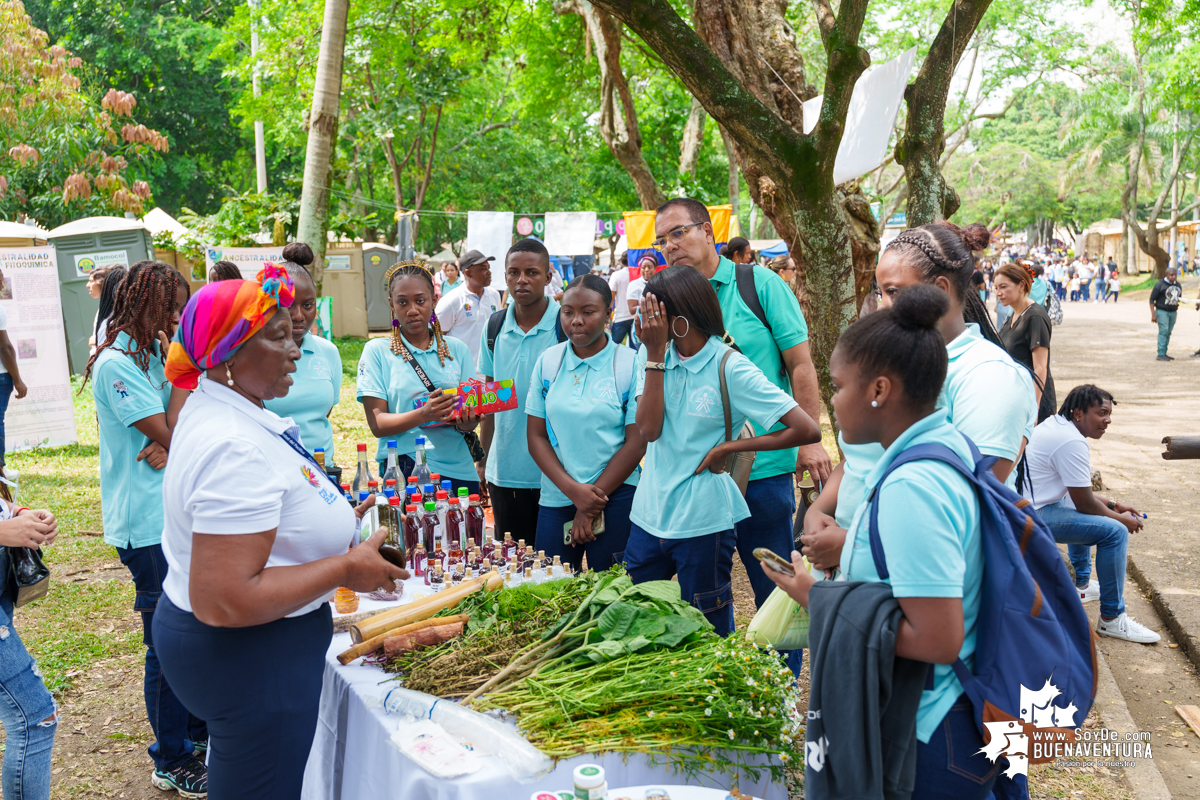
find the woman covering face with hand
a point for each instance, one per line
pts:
(256, 537)
(583, 435)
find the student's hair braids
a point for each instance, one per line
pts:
(1083, 398)
(149, 285)
(418, 269)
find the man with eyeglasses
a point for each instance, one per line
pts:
(774, 336)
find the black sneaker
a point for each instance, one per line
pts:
(190, 779)
(1164, 358)
(200, 750)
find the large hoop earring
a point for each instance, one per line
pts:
(676, 334)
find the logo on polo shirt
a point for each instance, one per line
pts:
(121, 388)
(314, 481)
(606, 390)
(704, 402)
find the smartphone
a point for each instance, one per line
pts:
(774, 561)
(597, 527)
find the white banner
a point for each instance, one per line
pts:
(570, 233)
(870, 118)
(490, 232)
(45, 417)
(248, 260)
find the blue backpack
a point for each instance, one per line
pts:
(1031, 628)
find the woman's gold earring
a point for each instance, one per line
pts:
(229, 374)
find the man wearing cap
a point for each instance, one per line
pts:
(464, 311)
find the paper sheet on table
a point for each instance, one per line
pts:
(870, 118)
(429, 745)
(570, 233)
(490, 232)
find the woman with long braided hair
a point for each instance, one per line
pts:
(132, 396)
(418, 362)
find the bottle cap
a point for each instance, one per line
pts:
(374, 483)
(446, 484)
(345, 487)
(388, 482)
(412, 479)
(453, 500)
(319, 450)
(362, 448)
(427, 488)
(440, 495)
(472, 498)
(436, 477)
(521, 542)
(589, 776)
(411, 508)
(391, 443)
(429, 505)
(393, 501)
(420, 441)
(363, 495)
(462, 491)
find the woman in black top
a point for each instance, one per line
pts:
(1026, 334)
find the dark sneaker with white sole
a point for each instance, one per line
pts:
(189, 779)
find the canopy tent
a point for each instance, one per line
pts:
(779, 248)
(158, 221)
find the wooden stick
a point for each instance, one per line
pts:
(374, 643)
(414, 612)
(1191, 715)
(407, 608)
(343, 623)
(1179, 447)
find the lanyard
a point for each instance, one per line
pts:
(295, 445)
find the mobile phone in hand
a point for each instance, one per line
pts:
(774, 561)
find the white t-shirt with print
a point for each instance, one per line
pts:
(1058, 459)
(619, 283)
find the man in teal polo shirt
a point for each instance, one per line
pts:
(778, 343)
(513, 479)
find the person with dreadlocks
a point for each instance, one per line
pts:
(988, 395)
(416, 363)
(317, 381)
(132, 396)
(1060, 488)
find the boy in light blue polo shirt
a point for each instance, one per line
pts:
(514, 481)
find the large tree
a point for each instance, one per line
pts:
(749, 76)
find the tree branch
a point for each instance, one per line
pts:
(826, 19)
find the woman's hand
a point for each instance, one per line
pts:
(588, 498)
(366, 570)
(652, 327)
(365, 506)
(581, 529)
(469, 420)
(716, 460)
(823, 545)
(438, 408)
(28, 530)
(797, 585)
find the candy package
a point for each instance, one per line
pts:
(487, 397)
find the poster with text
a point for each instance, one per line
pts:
(248, 260)
(45, 417)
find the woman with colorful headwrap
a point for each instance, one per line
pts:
(390, 383)
(256, 536)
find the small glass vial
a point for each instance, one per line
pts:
(567, 573)
(556, 568)
(485, 567)
(528, 576)
(548, 573)
(437, 581)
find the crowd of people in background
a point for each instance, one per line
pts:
(666, 414)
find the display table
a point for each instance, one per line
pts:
(352, 755)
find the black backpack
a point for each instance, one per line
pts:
(496, 323)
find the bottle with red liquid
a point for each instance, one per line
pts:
(476, 525)
(412, 484)
(454, 538)
(412, 531)
(429, 527)
(520, 555)
(508, 547)
(420, 561)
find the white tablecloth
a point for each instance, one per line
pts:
(352, 755)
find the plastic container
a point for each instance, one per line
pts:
(345, 601)
(590, 783)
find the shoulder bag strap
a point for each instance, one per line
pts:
(744, 278)
(725, 397)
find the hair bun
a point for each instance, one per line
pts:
(976, 236)
(298, 253)
(920, 306)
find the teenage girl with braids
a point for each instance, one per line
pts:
(389, 382)
(317, 381)
(132, 396)
(988, 395)
(686, 506)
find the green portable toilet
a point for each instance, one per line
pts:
(80, 247)
(377, 258)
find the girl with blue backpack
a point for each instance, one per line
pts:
(582, 433)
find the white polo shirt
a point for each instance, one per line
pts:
(619, 283)
(464, 315)
(231, 472)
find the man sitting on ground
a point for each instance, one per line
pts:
(1060, 487)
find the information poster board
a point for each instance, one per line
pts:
(248, 260)
(45, 417)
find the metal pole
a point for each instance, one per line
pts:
(260, 145)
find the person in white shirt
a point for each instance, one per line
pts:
(618, 282)
(1060, 487)
(633, 295)
(464, 311)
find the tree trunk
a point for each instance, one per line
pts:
(313, 221)
(735, 187)
(619, 127)
(930, 198)
(692, 141)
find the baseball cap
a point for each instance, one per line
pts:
(473, 257)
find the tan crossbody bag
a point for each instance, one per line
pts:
(739, 465)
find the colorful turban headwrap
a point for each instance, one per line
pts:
(220, 318)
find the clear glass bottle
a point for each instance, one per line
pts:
(421, 466)
(476, 523)
(392, 470)
(363, 475)
(429, 527)
(556, 568)
(437, 580)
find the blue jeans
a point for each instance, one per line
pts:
(1085, 290)
(607, 549)
(1166, 324)
(704, 565)
(951, 767)
(1101, 290)
(28, 713)
(620, 330)
(1081, 532)
(772, 503)
(260, 689)
(406, 465)
(175, 729)
(6, 391)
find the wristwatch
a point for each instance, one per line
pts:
(1112, 506)
(656, 365)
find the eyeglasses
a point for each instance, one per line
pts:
(673, 236)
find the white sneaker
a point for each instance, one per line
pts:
(1125, 627)
(1092, 592)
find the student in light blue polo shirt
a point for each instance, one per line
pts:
(686, 505)
(132, 395)
(530, 326)
(887, 370)
(389, 382)
(317, 381)
(582, 433)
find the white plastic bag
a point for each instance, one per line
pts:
(781, 623)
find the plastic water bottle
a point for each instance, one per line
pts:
(421, 470)
(392, 471)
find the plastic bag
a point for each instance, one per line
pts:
(781, 623)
